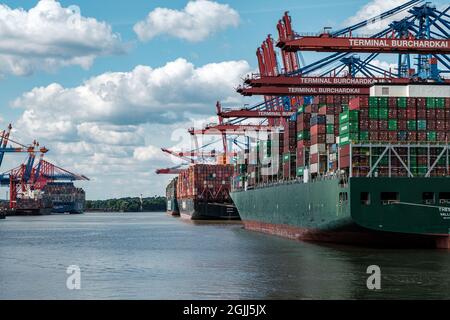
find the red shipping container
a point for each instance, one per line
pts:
(402, 125)
(412, 136)
(383, 125)
(392, 102)
(412, 114)
(441, 125)
(442, 136)
(344, 161)
(402, 113)
(383, 135)
(431, 114)
(330, 99)
(421, 103)
(315, 158)
(440, 114)
(393, 136)
(421, 113)
(303, 144)
(392, 113)
(320, 138)
(330, 110)
(431, 125)
(364, 113)
(374, 125)
(373, 136)
(344, 150)
(358, 102)
(421, 136)
(318, 129)
(447, 102)
(411, 102)
(363, 125)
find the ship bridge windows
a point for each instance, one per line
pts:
(444, 198)
(389, 197)
(365, 198)
(428, 198)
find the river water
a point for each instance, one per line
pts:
(154, 256)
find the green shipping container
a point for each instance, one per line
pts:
(440, 103)
(373, 101)
(349, 115)
(303, 135)
(373, 113)
(348, 138)
(300, 171)
(401, 102)
(301, 109)
(382, 102)
(412, 125)
(431, 136)
(286, 157)
(431, 103)
(330, 128)
(364, 136)
(383, 113)
(348, 127)
(392, 125)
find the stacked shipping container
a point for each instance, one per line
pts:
(205, 182)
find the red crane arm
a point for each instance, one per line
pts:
(326, 43)
(304, 90)
(232, 129)
(256, 114)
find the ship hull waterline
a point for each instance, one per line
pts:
(329, 212)
(193, 209)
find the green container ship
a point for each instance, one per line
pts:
(386, 186)
(409, 211)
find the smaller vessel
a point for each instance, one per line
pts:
(203, 193)
(171, 198)
(65, 197)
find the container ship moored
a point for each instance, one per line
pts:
(360, 170)
(203, 193)
(65, 197)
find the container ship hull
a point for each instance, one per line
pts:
(326, 211)
(71, 208)
(194, 209)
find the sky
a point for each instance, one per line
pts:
(105, 84)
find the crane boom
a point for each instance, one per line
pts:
(326, 43)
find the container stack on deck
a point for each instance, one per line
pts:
(326, 128)
(203, 192)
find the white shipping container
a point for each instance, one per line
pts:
(332, 157)
(330, 138)
(318, 148)
(330, 119)
(414, 91)
(314, 168)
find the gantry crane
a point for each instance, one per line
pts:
(425, 31)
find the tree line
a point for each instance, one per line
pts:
(127, 204)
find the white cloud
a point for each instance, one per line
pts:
(115, 123)
(385, 65)
(373, 9)
(149, 153)
(142, 95)
(198, 20)
(49, 36)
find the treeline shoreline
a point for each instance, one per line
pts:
(129, 204)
